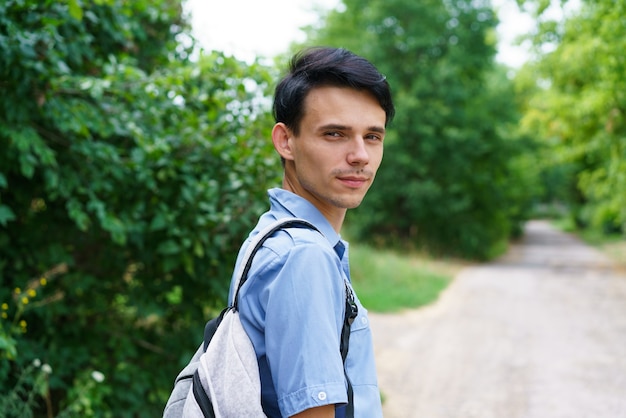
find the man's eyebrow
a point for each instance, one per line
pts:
(378, 129)
(336, 126)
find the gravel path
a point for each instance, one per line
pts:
(539, 333)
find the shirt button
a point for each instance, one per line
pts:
(364, 320)
(321, 396)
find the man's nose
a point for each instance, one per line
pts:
(358, 154)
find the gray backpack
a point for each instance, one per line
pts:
(222, 378)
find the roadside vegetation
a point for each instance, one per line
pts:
(613, 245)
(389, 280)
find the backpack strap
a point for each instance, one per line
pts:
(201, 397)
(257, 242)
(352, 310)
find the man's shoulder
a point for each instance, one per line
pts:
(287, 239)
(290, 247)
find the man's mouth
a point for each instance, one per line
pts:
(353, 181)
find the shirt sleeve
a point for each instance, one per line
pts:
(304, 315)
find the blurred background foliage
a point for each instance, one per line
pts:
(575, 104)
(456, 176)
(133, 164)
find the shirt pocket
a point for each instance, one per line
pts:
(361, 322)
(360, 363)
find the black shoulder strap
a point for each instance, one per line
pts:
(352, 310)
(201, 397)
(257, 242)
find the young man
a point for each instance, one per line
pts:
(331, 111)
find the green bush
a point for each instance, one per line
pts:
(128, 177)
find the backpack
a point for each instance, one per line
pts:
(222, 378)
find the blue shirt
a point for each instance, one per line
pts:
(292, 307)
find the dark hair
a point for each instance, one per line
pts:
(321, 66)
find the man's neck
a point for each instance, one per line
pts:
(334, 215)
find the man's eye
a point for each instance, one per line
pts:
(334, 134)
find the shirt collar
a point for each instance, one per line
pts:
(286, 203)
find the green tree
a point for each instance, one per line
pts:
(578, 107)
(452, 179)
(128, 177)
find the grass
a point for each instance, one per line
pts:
(390, 281)
(616, 250)
(613, 245)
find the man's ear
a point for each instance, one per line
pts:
(283, 140)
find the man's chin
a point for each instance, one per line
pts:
(351, 203)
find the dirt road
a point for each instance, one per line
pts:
(539, 333)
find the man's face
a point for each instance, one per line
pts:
(333, 160)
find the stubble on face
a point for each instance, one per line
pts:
(337, 200)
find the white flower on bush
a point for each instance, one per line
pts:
(46, 369)
(36, 362)
(97, 376)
